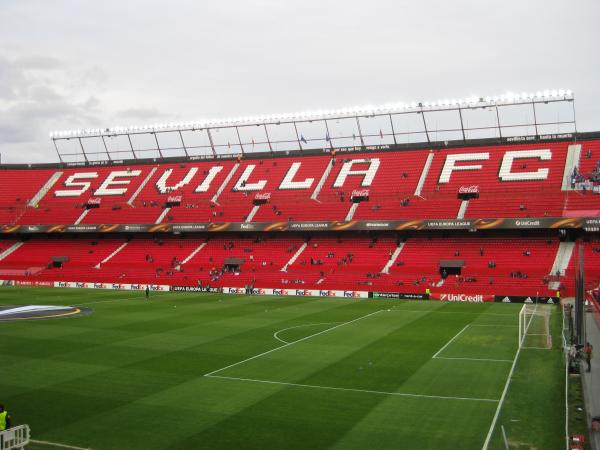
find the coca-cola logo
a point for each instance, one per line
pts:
(174, 199)
(468, 190)
(262, 196)
(360, 193)
(94, 201)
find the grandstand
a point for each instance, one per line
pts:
(371, 212)
(487, 218)
(456, 212)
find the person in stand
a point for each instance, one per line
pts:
(587, 354)
(5, 419)
(147, 292)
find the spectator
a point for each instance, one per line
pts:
(587, 355)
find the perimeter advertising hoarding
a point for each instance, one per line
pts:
(355, 225)
(196, 289)
(400, 295)
(531, 300)
(115, 286)
(298, 292)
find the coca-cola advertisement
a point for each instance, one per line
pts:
(468, 192)
(359, 195)
(174, 199)
(261, 198)
(94, 201)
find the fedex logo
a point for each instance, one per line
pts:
(236, 290)
(326, 294)
(351, 294)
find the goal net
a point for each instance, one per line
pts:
(534, 327)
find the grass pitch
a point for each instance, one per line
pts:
(194, 371)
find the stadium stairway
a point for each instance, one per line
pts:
(14, 247)
(392, 260)
(561, 262)
(112, 255)
(572, 163)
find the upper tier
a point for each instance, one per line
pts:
(514, 180)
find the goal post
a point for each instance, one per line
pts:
(534, 327)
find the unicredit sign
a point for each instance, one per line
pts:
(476, 298)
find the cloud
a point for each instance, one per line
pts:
(37, 96)
(140, 113)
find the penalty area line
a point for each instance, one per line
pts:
(55, 444)
(450, 342)
(364, 391)
(474, 359)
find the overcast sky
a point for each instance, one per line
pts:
(86, 64)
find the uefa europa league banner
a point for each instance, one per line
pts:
(586, 223)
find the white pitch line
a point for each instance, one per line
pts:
(275, 335)
(54, 444)
(474, 359)
(450, 341)
(139, 297)
(292, 343)
(488, 438)
(366, 391)
(493, 325)
(484, 314)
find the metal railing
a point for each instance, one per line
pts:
(15, 438)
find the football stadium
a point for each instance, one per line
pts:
(330, 279)
(312, 225)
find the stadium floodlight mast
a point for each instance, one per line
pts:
(323, 115)
(367, 110)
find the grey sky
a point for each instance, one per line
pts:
(81, 64)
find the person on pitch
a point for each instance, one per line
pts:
(5, 419)
(587, 355)
(147, 292)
